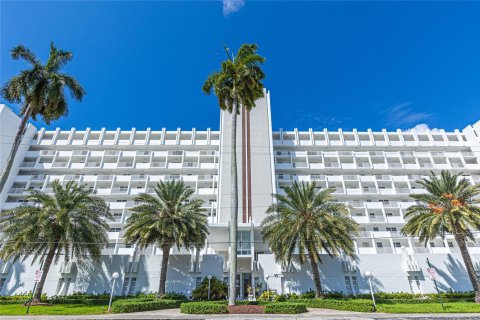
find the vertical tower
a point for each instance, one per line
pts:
(254, 161)
(255, 186)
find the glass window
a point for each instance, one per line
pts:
(243, 242)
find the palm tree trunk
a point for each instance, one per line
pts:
(316, 274)
(234, 210)
(460, 239)
(46, 267)
(163, 270)
(15, 146)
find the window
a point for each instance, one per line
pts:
(432, 244)
(355, 285)
(397, 244)
(348, 285)
(116, 229)
(450, 244)
(391, 229)
(125, 286)
(375, 228)
(243, 242)
(133, 283)
(198, 281)
(111, 245)
(379, 245)
(2, 283)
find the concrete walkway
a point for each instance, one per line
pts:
(312, 314)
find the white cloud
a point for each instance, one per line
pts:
(402, 115)
(231, 6)
(422, 127)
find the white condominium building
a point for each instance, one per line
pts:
(373, 171)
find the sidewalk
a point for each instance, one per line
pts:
(312, 314)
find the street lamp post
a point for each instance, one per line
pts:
(115, 275)
(267, 276)
(209, 277)
(368, 274)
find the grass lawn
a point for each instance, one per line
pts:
(64, 309)
(450, 307)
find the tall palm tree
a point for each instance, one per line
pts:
(450, 206)
(170, 218)
(40, 90)
(69, 222)
(238, 84)
(307, 220)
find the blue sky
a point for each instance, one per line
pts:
(329, 64)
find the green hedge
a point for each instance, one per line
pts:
(285, 308)
(137, 305)
(358, 305)
(203, 308)
(18, 298)
(87, 302)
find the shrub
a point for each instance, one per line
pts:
(246, 303)
(173, 296)
(281, 298)
(267, 295)
(137, 305)
(286, 308)
(308, 295)
(74, 300)
(19, 298)
(347, 305)
(218, 290)
(203, 307)
(292, 296)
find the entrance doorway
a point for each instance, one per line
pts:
(243, 283)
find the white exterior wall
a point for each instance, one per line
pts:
(372, 171)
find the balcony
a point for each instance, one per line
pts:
(17, 191)
(384, 250)
(125, 165)
(157, 165)
(27, 164)
(92, 165)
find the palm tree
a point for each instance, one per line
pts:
(41, 92)
(448, 207)
(309, 220)
(170, 218)
(69, 222)
(238, 84)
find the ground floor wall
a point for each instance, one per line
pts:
(142, 275)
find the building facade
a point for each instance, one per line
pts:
(373, 171)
